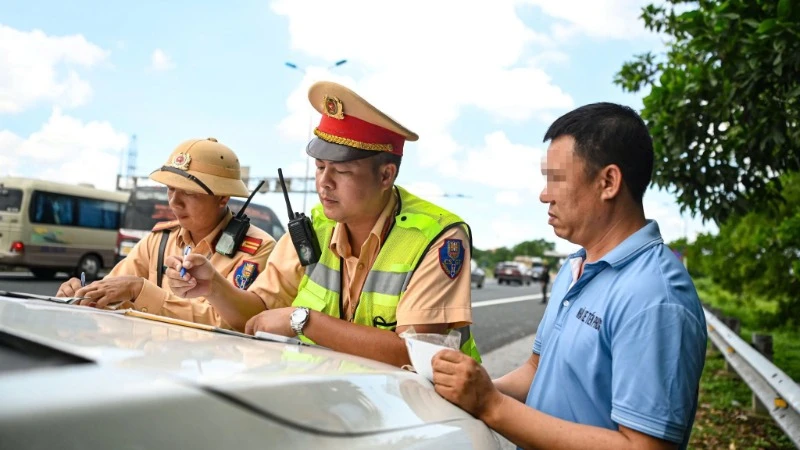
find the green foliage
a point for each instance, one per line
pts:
(724, 102)
(756, 257)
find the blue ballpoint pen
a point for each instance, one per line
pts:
(83, 279)
(186, 252)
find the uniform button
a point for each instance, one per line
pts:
(360, 266)
(566, 303)
(144, 308)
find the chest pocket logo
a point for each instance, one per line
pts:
(589, 318)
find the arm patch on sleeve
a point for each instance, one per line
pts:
(451, 257)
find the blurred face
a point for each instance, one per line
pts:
(351, 191)
(573, 198)
(195, 212)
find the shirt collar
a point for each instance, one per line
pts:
(339, 239)
(646, 237)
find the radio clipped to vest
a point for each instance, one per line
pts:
(303, 237)
(236, 230)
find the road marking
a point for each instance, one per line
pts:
(501, 301)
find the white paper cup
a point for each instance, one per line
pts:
(421, 354)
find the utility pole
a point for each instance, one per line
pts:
(130, 171)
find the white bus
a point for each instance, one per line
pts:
(49, 227)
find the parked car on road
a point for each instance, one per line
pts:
(478, 275)
(512, 272)
(77, 377)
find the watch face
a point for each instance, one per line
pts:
(299, 315)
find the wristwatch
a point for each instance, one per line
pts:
(299, 319)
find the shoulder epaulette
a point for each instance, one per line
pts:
(160, 226)
(250, 245)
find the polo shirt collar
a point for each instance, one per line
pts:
(645, 238)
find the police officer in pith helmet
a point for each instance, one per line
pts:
(201, 175)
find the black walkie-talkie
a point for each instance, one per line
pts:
(300, 230)
(236, 230)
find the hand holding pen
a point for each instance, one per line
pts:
(190, 277)
(186, 251)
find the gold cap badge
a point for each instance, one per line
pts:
(181, 161)
(333, 107)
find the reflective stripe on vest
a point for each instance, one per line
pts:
(324, 276)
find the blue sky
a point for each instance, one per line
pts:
(478, 81)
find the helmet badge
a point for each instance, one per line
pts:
(181, 161)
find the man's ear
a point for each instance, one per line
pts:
(223, 201)
(388, 173)
(610, 181)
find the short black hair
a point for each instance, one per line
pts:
(386, 158)
(608, 133)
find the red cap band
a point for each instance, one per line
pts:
(357, 133)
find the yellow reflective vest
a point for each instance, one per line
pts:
(416, 226)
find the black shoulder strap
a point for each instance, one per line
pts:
(161, 247)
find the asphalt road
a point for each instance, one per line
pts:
(501, 313)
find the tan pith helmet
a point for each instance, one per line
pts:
(202, 166)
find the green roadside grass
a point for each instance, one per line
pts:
(725, 417)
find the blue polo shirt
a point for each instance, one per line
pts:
(624, 344)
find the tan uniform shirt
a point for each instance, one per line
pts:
(432, 297)
(241, 269)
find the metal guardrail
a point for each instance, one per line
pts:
(776, 390)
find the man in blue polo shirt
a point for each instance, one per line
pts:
(618, 354)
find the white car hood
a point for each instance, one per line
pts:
(304, 387)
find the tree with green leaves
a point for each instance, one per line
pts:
(757, 256)
(724, 101)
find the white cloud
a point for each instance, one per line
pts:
(549, 58)
(502, 164)
(595, 18)
(511, 198)
(425, 189)
(161, 61)
(420, 78)
(8, 141)
(38, 68)
(65, 149)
